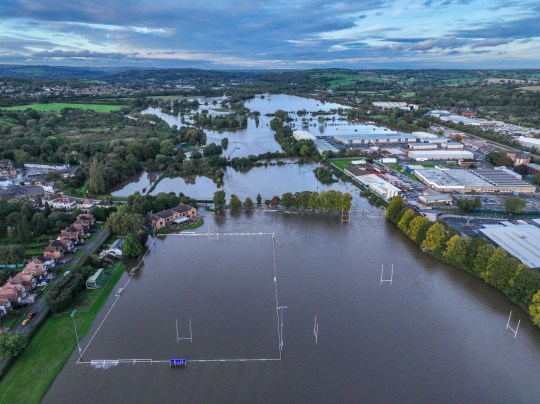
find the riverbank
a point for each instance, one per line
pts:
(519, 283)
(52, 345)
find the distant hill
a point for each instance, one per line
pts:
(57, 72)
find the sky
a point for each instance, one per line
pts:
(272, 34)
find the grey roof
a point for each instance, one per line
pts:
(169, 212)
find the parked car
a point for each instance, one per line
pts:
(66, 273)
(25, 322)
(31, 315)
(43, 283)
(62, 262)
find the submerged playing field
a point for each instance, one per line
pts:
(231, 303)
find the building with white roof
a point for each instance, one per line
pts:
(529, 141)
(303, 135)
(425, 155)
(521, 241)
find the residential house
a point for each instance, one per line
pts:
(173, 216)
(88, 218)
(54, 251)
(72, 233)
(468, 113)
(14, 293)
(86, 204)
(28, 281)
(66, 244)
(519, 158)
(63, 203)
(39, 266)
(5, 306)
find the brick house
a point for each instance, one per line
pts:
(173, 216)
(5, 306)
(86, 219)
(14, 293)
(467, 113)
(54, 251)
(63, 203)
(519, 158)
(39, 266)
(28, 281)
(72, 233)
(66, 244)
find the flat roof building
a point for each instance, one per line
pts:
(425, 155)
(483, 180)
(529, 141)
(521, 241)
(303, 135)
(375, 138)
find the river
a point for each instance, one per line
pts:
(436, 334)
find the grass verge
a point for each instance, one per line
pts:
(29, 378)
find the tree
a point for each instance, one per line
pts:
(418, 228)
(287, 200)
(514, 205)
(524, 285)
(248, 203)
(536, 179)
(396, 209)
(124, 223)
(219, 199)
(12, 344)
(224, 143)
(534, 309)
(435, 236)
(131, 247)
(468, 205)
(96, 178)
(456, 251)
(259, 199)
(11, 254)
(403, 224)
(235, 202)
(483, 254)
(521, 169)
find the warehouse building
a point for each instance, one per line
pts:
(529, 141)
(424, 136)
(425, 155)
(519, 240)
(375, 138)
(374, 183)
(485, 180)
(303, 135)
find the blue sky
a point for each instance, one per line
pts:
(231, 34)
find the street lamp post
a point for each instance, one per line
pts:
(76, 334)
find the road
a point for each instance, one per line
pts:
(40, 305)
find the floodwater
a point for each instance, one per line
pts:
(268, 181)
(258, 139)
(435, 334)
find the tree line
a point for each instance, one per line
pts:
(477, 256)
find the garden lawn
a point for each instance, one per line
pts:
(29, 378)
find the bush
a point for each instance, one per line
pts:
(12, 344)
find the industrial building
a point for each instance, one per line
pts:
(425, 155)
(303, 135)
(395, 105)
(529, 141)
(424, 136)
(374, 183)
(375, 138)
(533, 168)
(482, 180)
(323, 145)
(519, 240)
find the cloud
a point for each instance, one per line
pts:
(491, 42)
(259, 33)
(84, 54)
(441, 43)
